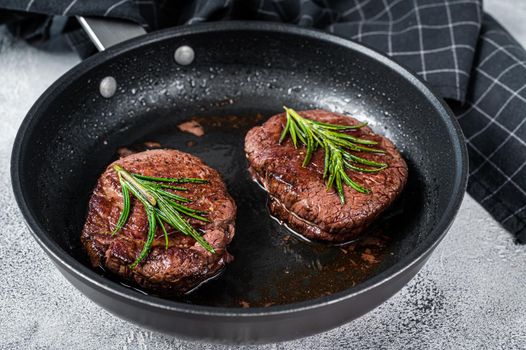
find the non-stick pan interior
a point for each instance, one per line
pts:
(237, 80)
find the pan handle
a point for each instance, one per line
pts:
(108, 32)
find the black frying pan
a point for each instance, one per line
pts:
(278, 287)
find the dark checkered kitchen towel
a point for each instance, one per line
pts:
(466, 56)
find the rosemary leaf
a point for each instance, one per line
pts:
(161, 223)
(189, 212)
(172, 180)
(162, 192)
(152, 226)
(285, 131)
(360, 160)
(125, 207)
(172, 187)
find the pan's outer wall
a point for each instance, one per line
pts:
(253, 325)
(232, 329)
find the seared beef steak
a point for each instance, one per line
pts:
(298, 194)
(185, 263)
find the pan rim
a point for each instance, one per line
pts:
(87, 275)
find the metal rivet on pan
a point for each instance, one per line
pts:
(107, 87)
(184, 55)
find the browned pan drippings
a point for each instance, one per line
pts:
(272, 265)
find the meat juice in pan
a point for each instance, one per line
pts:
(272, 265)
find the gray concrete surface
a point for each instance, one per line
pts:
(471, 294)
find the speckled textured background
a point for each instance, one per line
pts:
(471, 294)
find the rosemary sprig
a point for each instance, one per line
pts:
(336, 145)
(161, 207)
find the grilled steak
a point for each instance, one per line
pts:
(185, 263)
(298, 196)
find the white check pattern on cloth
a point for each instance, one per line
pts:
(435, 38)
(493, 119)
(469, 60)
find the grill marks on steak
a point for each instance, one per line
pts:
(185, 263)
(298, 195)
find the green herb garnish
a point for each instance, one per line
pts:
(161, 207)
(336, 144)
